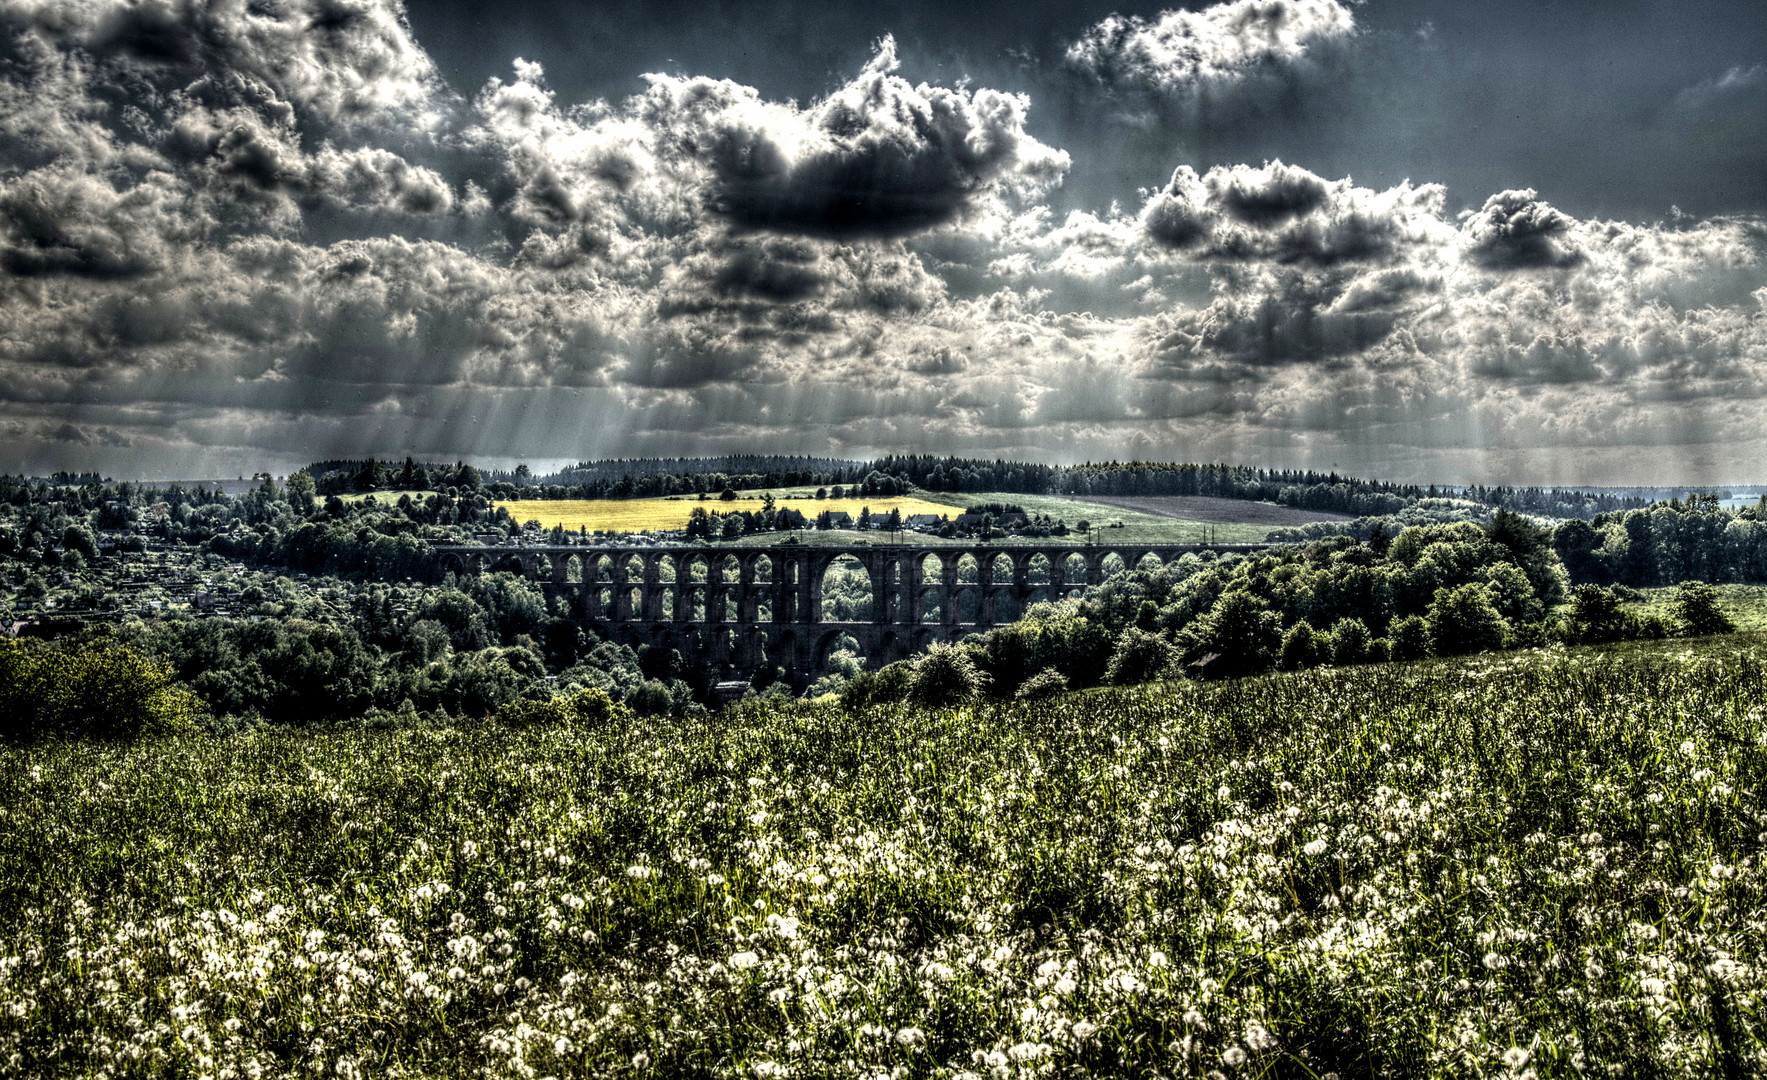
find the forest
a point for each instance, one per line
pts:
(307, 607)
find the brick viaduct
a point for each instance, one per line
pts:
(749, 607)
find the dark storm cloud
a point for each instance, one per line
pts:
(1515, 230)
(54, 229)
(879, 157)
(1289, 215)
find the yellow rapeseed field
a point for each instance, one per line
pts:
(636, 515)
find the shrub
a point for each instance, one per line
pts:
(1046, 683)
(1696, 605)
(1349, 642)
(585, 707)
(887, 686)
(945, 675)
(1302, 647)
(1465, 620)
(1410, 637)
(652, 698)
(1139, 657)
(95, 689)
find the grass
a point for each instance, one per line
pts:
(1138, 527)
(1746, 604)
(639, 515)
(1544, 863)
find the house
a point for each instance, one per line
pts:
(730, 690)
(921, 521)
(840, 519)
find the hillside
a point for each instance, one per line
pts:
(1545, 862)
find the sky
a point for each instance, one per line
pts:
(1493, 242)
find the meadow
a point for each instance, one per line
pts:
(656, 515)
(1127, 525)
(1530, 864)
(1746, 604)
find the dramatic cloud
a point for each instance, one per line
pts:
(1516, 231)
(1180, 50)
(264, 232)
(348, 62)
(877, 158)
(1286, 214)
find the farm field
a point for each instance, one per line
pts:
(1139, 526)
(638, 515)
(1544, 863)
(1207, 508)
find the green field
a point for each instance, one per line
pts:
(1746, 604)
(1544, 863)
(1138, 528)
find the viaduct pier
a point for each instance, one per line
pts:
(754, 607)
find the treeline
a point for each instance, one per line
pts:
(1303, 489)
(1657, 545)
(788, 469)
(344, 476)
(1666, 543)
(896, 474)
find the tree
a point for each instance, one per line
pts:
(1302, 647)
(1410, 638)
(1575, 542)
(1516, 533)
(1596, 616)
(581, 707)
(1139, 657)
(1350, 641)
(889, 685)
(1465, 620)
(1697, 606)
(88, 689)
(299, 492)
(79, 538)
(1512, 592)
(1239, 635)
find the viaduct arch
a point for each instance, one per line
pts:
(754, 607)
